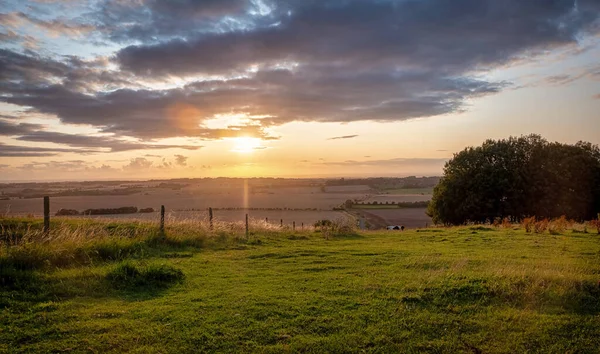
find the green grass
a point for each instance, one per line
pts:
(437, 290)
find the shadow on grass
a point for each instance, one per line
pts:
(21, 289)
(582, 298)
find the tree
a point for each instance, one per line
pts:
(516, 178)
(348, 204)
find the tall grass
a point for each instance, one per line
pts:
(76, 241)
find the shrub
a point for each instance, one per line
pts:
(595, 224)
(558, 226)
(541, 226)
(528, 223)
(506, 223)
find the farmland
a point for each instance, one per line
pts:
(459, 290)
(299, 200)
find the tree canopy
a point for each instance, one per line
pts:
(518, 178)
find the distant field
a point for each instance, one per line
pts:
(411, 218)
(308, 217)
(191, 198)
(380, 218)
(457, 290)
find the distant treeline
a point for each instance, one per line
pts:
(387, 182)
(104, 211)
(420, 204)
(261, 209)
(30, 193)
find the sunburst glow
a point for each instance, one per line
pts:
(246, 145)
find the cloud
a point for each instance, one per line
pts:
(181, 160)
(177, 64)
(29, 151)
(138, 163)
(114, 145)
(18, 20)
(343, 137)
(152, 20)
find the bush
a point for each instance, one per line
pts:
(128, 274)
(558, 226)
(595, 224)
(541, 226)
(528, 223)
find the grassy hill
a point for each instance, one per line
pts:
(124, 287)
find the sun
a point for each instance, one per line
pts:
(246, 145)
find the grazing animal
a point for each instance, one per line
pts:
(396, 227)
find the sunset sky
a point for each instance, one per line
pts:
(136, 89)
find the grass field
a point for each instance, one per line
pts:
(469, 289)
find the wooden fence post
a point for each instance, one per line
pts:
(293, 226)
(302, 226)
(281, 224)
(266, 220)
(210, 217)
(46, 214)
(162, 218)
(246, 225)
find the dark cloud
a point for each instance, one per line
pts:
(278, 62)
(450, 37)
(343, 137)
(10, 129)
(30, 151)
(96, 141)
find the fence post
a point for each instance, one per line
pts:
(293, 226)
(46, 214)
(210, 217)
(246, 225)
(281, 224)
(302, 226)
(162, 218)
(266, 220)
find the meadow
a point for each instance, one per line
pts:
(96, 286)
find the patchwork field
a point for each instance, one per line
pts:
(457, 290)
(410, 217)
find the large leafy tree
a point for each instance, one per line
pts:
(518, 177)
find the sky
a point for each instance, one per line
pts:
(139, 89)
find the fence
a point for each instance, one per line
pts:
(162, 219)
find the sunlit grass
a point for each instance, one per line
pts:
(464, 289)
